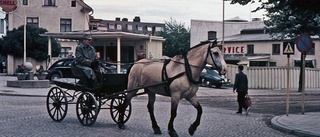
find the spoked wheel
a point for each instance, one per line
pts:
(87, 109)
(57, 105)
(114, 109)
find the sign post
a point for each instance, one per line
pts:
(288, 48)
(304, 44)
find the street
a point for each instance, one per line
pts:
(27, 116)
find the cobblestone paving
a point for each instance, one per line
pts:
(27, 116)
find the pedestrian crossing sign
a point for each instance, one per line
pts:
(288, 47)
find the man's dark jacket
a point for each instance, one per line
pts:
(241, 83)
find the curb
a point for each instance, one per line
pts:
(21, 95)
(275, 124)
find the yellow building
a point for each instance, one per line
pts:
(68, 20)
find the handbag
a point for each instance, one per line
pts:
(247, 102)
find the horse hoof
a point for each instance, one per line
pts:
(121, 126)
(192, 129)
(173, 134)
(157, 131)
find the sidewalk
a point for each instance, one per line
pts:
(307, 124)
(5, 90)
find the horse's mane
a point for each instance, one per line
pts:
(181, 56)
(203, 43)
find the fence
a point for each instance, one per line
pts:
(276, 77)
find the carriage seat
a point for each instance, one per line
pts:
(78, 74)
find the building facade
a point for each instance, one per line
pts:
(133, 49)
(53, 15)
(119, 40)
(248, 43)
(124, 25)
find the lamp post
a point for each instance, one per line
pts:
(24, 34)
(24, 30)
(222, 43)
(24, 39)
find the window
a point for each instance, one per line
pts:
(250, 49)
(311, 52)
(308, 63)
(272, 64)
(119, 27)
(275, 49)
(111, 26)
(64, 51)
(25, 2)
(258, 63)
(73, 3)
(1, 26)
(139, 28)
(65, 25)
(50, 2)
(159, 28)
(129, 27)
(148, 28)
(33, 21)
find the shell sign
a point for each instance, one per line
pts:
(8, 5)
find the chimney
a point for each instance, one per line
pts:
(136, 19)
(212, 35)
(125, 19)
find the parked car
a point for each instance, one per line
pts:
(211, 77)
(62, 69)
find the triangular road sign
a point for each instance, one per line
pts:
(288, 47)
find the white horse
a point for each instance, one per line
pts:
(180, 77)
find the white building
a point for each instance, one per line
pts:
(248, 43)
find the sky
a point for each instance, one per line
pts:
(182, 11)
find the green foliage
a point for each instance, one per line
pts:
(177, 38)
(289, 18)
(37, 46)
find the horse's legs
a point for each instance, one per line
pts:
(174, 106)
(194, 101)
(123, 107)
(150, 106)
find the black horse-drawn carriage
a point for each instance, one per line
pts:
(110, 95)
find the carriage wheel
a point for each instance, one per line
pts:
(87, 109)
(57, 105)
(114, 109)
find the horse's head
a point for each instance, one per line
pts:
(215, 58)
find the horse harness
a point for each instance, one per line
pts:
(188, 71)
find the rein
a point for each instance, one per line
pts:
(187, 64)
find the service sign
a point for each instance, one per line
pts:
(8, 5)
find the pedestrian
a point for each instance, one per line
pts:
(241, 87)
(70, 54)
(87, 60)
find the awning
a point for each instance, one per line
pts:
(259, 58)
(99, 34)
(246, 60)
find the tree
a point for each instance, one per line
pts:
(290, 18)
(287, 19)
(177, 38)
(37, 46)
